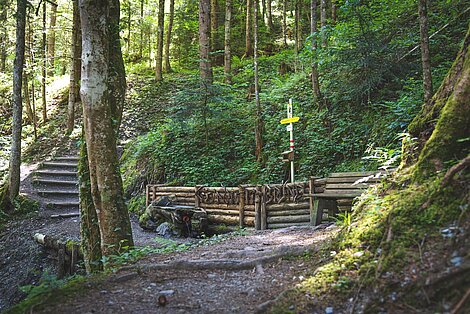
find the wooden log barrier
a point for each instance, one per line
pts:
(241, 206)
(287, 206)
(289, 219)
(230, 220)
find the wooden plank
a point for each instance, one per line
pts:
(222, 212)
(219, 189)
(287, 206)
(341, 192)
(258, 209)
(220, 206)
(241, 209)
(263, 213)
(349, 186)
(316, 214)
(230, 220)
(354, 174)
(351, 180)
(286, 225)
(311, 190)
(292, 212)
(177, 194)
(184, 189)
(337, 195)
(289, 219)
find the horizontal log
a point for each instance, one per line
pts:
(184, 203)
(289, 219)
(319, 189)
(354, 174)
(230, 220)
(337, 195)
(344, 202)
(352, 180)
(356, 192)
(350, 186)
(344, 208)
(287, 225)
(184, 189)
(222, 212)
(287, 206)
(184, 199)
(292, 212)
(66, 215)
(220, 206)
(177, 194)
(219, 189)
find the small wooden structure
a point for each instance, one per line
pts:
(271, 206)
(339, 192)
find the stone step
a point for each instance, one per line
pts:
(63, 205)
(67, 158)
(53, 164)
(57, 193)
(55, 182)
(56, 173)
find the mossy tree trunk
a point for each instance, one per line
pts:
(447, 139)
(161, 21)
(15, 154)
(75, 68)
(89, 227)
(102, 92)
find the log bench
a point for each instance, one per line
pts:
(339, 192)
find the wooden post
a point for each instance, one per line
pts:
(311, 191)
(263, 214)
(147, 191)
(197, 201)
(242, 205)
(258, 208)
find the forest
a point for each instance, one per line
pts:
(148, 163)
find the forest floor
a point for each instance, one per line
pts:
(242, 274)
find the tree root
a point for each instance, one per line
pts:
(454, 169)
(223, 264)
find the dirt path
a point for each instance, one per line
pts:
(208, 286)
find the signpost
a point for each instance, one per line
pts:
(290, 128)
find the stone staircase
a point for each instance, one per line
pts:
(56, 184)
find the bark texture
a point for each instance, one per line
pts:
(453, 122)
(51, 39)
(284, 23)
(248, 47)
(313, 31)
(323, 21)
(161, 22)
(269, 16)
(3, 35)
(102, 95)
(44, 64)
(75, 68)
(259, 113)
(205, 67)
(15, 154)
(89, 228)
(168, 36)
(227, 50)
(425, 54)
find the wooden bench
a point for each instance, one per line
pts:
(339, 192)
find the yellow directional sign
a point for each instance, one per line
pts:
(290, 120)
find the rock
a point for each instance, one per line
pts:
(329, 310)
(167, 292)
(456, 261)
(164, 230)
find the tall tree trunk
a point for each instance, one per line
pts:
(263, 12)
(298, 25)
(27, 99)
(141, 23)
(102, 96)
(425, 56)
(284, 23)
(3, 35)
(205, 67)
(214, 25)
(269, 16)
(51, 39)
(129, 26)
(323, 22)
(31, 61)
(75, 68)
(333, 12)
(168, 36)
(15, 154)
(227, 52)
(89, 227)
(313, 31)
(161, 21)
(450, 107)
(248, 48)
(259, 113)
(44, 64)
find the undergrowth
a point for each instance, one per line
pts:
(388, 224)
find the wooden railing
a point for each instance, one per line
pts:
(261, 206)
